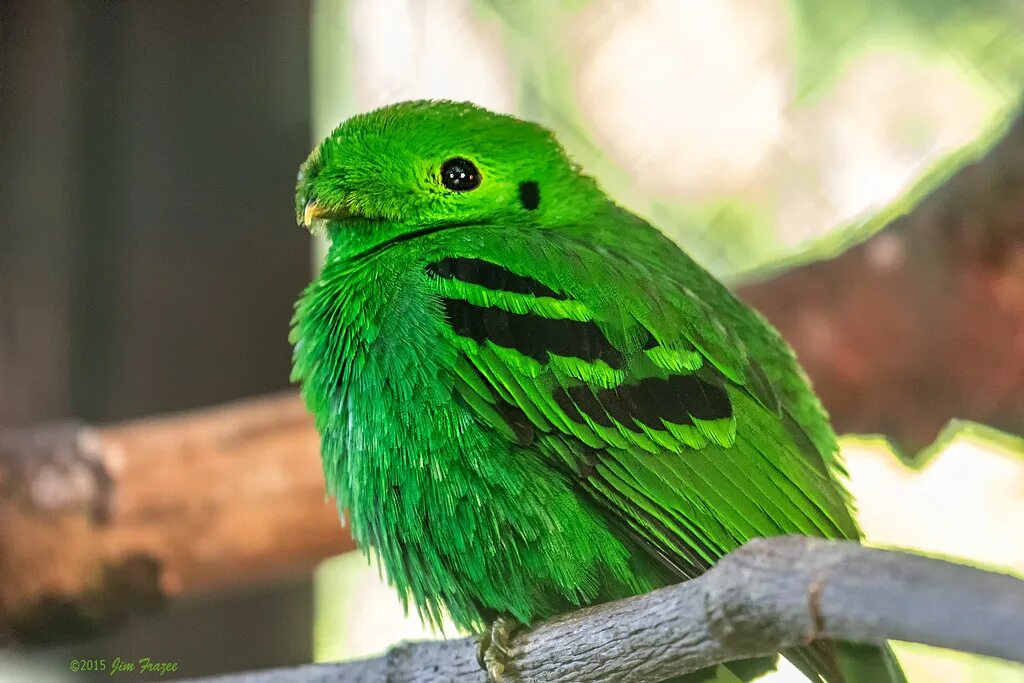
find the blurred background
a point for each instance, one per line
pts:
(149, 257)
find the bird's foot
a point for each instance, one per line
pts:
(495, 648)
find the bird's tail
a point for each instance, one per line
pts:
(741, 671)
(868, 663)
(835, 662)
(823, 661)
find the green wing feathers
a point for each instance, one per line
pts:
(649, 399)
(676, 410)
(691, 439)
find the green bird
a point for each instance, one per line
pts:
(528, 398)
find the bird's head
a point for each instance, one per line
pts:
(418, 164)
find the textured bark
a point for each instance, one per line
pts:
(923, 322)
(769, 595)
(95, 522)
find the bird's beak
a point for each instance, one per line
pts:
(314, 211)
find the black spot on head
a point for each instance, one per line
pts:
(529, 194)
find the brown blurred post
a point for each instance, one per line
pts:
(923, 322)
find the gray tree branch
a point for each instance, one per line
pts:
(769, 595)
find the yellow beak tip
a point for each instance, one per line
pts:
(311, 212)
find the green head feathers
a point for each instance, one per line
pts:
(423, 163)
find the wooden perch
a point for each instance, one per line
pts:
(769, 595)
(94, 521)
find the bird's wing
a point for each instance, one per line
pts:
(642, 390)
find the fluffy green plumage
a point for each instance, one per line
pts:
(528, 406)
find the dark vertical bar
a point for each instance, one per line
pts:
(98, 229)
(36, 68)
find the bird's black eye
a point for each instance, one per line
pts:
(460, 175)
